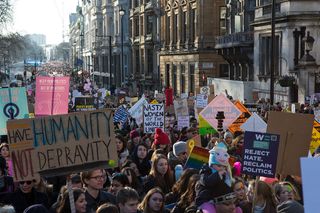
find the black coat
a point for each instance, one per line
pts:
(94, 203)
(20, 201)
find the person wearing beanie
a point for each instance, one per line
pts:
(216, 177)
(178, 155)
(228, 137)
(290, 206)
(161, 140)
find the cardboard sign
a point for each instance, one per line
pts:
(13, 105)
(153, 117)
(260, 154)
(315, 141)
(310, 173)
(254, 124)
(220, 103)
(51, 95)
(183, 121)
(198, 156)
(84, 103)
(295, 132)
(62, 144)
(205, 128)
(202, 101)
(136, 111)
(181, 107)
(235, 126)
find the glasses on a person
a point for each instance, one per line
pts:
(27, 182)
(99, 177)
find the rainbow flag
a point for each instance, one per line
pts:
(198, 156)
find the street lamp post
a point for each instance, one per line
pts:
(121, 13)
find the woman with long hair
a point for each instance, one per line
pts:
(153, 202)
(123, 153)
(264, 200)
(140, 158)
(240, 190)
(188, 197)
(160, 175)
(79, 202)
(134, 181)
(180, 186)
(5, 153)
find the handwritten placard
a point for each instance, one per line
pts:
(153, 117)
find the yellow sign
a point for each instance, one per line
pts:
(315, 141)
(195, 141)
(235, 126)
(154, 102)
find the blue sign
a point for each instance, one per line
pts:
(13, 105)
(260, 154)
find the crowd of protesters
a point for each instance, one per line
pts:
(149, 179)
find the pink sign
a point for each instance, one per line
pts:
(220, 103)
(51, 95)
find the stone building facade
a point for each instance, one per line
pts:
(188, 56)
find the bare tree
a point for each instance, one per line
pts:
(5, 12)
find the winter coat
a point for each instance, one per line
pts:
(94, 203)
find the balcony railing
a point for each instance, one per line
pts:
(236, 39)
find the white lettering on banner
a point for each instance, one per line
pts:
(256, 152)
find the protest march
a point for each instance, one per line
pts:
(94, 150)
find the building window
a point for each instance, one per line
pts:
(192, 78)
(182, 78)
(150, 60)
(136, 3)
(137, 61)
(168, 75)
(223, 28)
(224, 71)
(136, 27)
(142, 61)
(265, 56)
(184, 27)
(149, 24)
(175, 28)
(193, 23)
(174, 79)
(141, 25)
(168, 30)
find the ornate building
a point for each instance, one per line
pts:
(145, 39)
(188, 56)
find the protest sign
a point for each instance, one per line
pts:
(13, 105)
(220, 103)
(295, 132)
(310, 174)
(205, 90)
(62, 144)
(202, 101)
(84, 103)
(121, 115)
(184, 95)
(254, 124)
(260, 154)
(235, 126)
(153, 117)
(136, 111)
(183, 121)
(52, 95)
(205, 128)
(198, 156)
(315, 141)
(181, 107)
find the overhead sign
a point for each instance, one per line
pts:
(52, 95)
(254, 124)
(62, 144)
(153, 117)
(235, 126)
(136, 111)
(220, 103)
(13, 105)
(260, 154)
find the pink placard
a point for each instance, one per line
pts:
(51, 95)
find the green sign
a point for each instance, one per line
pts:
(205, 128)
